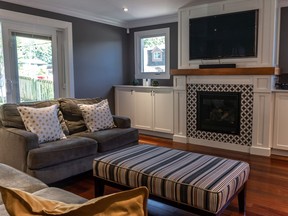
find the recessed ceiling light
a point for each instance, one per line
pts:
(125, 9)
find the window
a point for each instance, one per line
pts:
(36, 61)
(152, 54)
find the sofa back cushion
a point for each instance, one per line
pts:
(72, 113)
(10, 116)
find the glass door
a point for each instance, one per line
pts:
(34, 67)
(31, 64)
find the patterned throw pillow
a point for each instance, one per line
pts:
(97, 116)
(42, 121)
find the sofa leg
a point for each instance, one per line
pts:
(242, 199)
(98, 187)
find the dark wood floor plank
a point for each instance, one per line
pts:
(267, 187)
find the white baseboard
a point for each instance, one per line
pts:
(179, 138)
(279, 152)
(157, 134)
(254, 150)
(214, 144)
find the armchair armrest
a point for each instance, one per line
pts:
(121, 121)
(14, 146)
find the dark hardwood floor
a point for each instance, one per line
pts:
(267, 187)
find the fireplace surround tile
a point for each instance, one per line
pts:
(246, 121)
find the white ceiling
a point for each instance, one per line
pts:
(140, 12)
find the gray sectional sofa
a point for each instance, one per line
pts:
(10, 177)
(54, 161)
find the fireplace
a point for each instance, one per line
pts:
(219, 112)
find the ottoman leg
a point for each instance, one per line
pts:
(242, 199)
(98, 187)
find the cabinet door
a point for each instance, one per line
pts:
(143, 109)
(280, 135)
(163, 111)
(124, 103)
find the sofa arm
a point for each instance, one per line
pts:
(15, 145)
(121, 121)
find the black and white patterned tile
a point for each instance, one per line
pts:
(246, 120)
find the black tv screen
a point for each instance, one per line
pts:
(232, 35)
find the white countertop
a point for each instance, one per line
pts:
(143, 87)
(171, 87)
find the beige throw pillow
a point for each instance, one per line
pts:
(132, 202)
(42, 121)
(97, 116)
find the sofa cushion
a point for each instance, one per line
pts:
(131, 202)
(112, 138)
(10, 177)
(58, 194)
(97, 116)
(72, 113)
(60, 151)
(42, 121)
(10, 116)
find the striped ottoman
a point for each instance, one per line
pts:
(199, 183)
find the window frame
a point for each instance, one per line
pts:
(137, 49)
(64, 84)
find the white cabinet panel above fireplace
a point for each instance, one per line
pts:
(266, 37)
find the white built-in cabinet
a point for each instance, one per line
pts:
(124, 103)
(143, 109)
(149, 108)
(280, 135)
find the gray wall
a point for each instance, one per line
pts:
(173, 49)
(100, 54)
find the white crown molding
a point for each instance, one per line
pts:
(71, 12)
(202, 2)
(96, 18)
(91, 17)
(153, 21)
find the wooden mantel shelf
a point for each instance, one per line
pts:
(227, 71)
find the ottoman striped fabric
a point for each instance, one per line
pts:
(201, 181)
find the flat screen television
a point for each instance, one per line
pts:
(232, 35)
